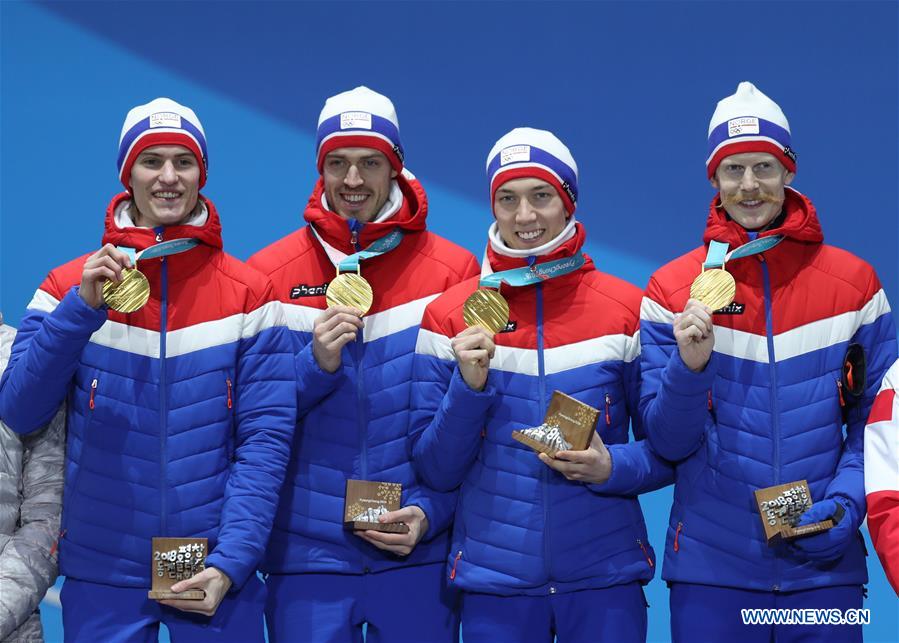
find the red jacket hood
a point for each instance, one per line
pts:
(800, 224)
(210, 233)
(335, 230)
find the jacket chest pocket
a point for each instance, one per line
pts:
(78, 460)
(229, 400)
(613, 419)
(91, 401)
(92, 413)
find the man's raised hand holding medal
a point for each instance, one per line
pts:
(474, 348)
(336, 327)
(695, 334)
(105, 265)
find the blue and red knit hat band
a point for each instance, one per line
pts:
(359, 118)
(542, 165)
(360, 129)
(160, 122)
(750, 134)
(525, 152)
(748, 121)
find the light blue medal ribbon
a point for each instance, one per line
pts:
(130, 252)
(538, 273)
(754, 247)
(131, 293)
(718, 255)
(714, 286)
(379, 247)
(349, 287)
(164, 249)
(486, 307)
(173, 247)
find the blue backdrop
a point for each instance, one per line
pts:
(629, 86)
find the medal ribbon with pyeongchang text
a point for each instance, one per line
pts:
(132, 292)
(715, 287)
(487, 308)
(349, 287)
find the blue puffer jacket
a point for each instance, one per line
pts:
(521, 527)
(353, 423)
(766, 410)
(179, 415)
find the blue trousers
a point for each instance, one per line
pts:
(708, 613)
(96, 612)
(410, 604)
(614, 614)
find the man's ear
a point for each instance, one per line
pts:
(789, 178)
(393, 174)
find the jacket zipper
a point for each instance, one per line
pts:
(541, 386)
(772, 366)
(680, 526)
(839, 392)
(360, 385)
(232, 439)
(355, 228)
(360, 411)
(363, 424)
(608, 410)
(163, 406)
(455, 562)
(62, 534)
(358, 351)
(712, 408)
(850, 379)
(645, 553)
(73, 487)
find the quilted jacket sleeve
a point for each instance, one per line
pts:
(438, 506)
(313, 383)
(44, 357)
(877, 335)
(673, 399)
(636, 468)
(265, 405)
(882, 474)
(447, 415)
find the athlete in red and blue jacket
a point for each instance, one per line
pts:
(354, 377)
(542, 547)
(882, 474)
(179, 414)
(751, 395)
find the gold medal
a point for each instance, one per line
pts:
(350, 289)
(128, 295)
(486, 308)
(715, 288)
